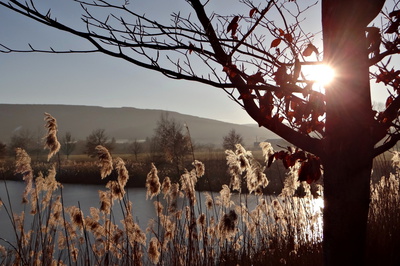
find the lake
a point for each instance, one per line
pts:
(87, 196)
(73, 194)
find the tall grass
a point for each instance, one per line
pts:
(186, 230)
(189, 228)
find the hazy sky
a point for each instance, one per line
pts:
(95, 79)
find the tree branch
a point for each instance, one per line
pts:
(302, 141)
(387, 145)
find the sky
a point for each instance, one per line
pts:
(99, 80)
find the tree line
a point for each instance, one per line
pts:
(171, 140)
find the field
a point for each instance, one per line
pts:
(286, 229)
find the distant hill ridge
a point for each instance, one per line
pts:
(125, 123)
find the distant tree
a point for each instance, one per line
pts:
(230, 140)
(68, 144)
(23, 139)
(171, 140)
(136, 147)
(153, 150)
(97, 137)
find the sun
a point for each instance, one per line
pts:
(321, 74)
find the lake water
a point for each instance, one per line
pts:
(73, 194)
(87, 196)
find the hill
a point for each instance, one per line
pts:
(124, 123)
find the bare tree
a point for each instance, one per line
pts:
(23, 139)
(97, 137)
(258, 57)
(136, 147)
(68, 144)
(171, 141)
(231, 139)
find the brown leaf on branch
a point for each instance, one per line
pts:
(191, 47)
(230, 70)
(310, 170)
(288, 37)
(253, 11)
(395, 13)
(254, 79)
(394, 25)
(233, 26)
(389, 100)
(387, 77)
(373, 40)
(281, 77)
(310, 49)
(267, 104)
(275, 42)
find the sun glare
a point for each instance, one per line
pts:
(321, 74)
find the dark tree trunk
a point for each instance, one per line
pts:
(346, 193)
(348, 146)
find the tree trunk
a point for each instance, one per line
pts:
(346, 192)
(348, 145)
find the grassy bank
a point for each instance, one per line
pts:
(81, 169)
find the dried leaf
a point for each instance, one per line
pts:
(275, 42)
(267, 104)
(288, 37)
(230, 70)
(233, 25)
(389, 100)
(310, 170)
(256, 78)
(310, 49)
(280, 76)
(191, 47)
(393, 27)
(395, 13)
(253, 11)
(373, 40)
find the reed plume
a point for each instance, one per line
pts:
(291, 182)
(51, 141)
(199, 167)
(23, 167)
(267, 150)
(105, 161)
(227, 225)
(153, 184)
(166, 186)
(154, 250)
(256, 178)
(123, 175)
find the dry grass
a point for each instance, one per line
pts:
(186, 230)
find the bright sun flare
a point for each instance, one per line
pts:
(321, 74)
